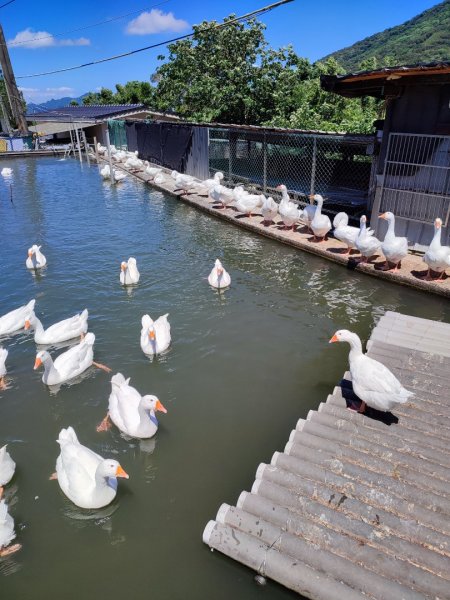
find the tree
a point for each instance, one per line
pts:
(74, 103)
(211, 76)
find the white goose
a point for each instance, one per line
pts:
(15, 320)
(69, 364)
(366, 242)
(222, 194)
(393, 247)
(372, 382)
(3, 357)
(87, 479)
(7, 468)
(320, 224)
(159, 179)
(101, 149)
(310, 210)
(129, 274)
(345, 232)
(269, 210)
(7, 533)
(288, 210)
(35, 260)
(185, 183)
(208, 184)
(105, 171)
(119, 176)
(153, 171)
(130, 412)
(437, 257)
(155, 335)
(134, 164)
(62, 331)
(219, 278)
(247, 203)
(6, 172)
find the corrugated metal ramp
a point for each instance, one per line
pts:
(354, 507)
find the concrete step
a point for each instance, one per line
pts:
(414, 491)
(294, 574)
(377, 498)
(316, 500)
(418, 449)
(363, 451)
(349, 562)
(331, 452)
(400, 430)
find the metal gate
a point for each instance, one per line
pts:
(416, 178)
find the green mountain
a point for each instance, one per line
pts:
(424, 38)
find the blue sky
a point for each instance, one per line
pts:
(315, 28)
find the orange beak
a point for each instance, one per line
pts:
(333, 339)
(438, 225)
(383, 216)
(123, 266)
(151, 335)
(160, 407)
(121, 473)
(219, 271)
(37, 363)
(27, 324)
(30, 254)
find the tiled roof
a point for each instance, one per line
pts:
(94, 112)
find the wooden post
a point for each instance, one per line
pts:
(96, 152)
(108, 148)
(86, 147)
(78, 144)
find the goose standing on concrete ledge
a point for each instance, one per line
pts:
(288, 210)
(372, 382)
(219, 278)
(393, 247)
(129, 274)
(366, 243)
(437, 257)
(345, 232)
(35, 260)
(269, 210)
(320, 224)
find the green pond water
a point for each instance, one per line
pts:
(243, 367)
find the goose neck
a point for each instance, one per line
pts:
(436, 241)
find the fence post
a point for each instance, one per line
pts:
(264, 163)
(108, 146)
(96, 152)
(230, 166)
(313, 168)
(78, 144)
(86, 147)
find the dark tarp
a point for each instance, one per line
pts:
(164, 144)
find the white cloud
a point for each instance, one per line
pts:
(38, 95)
(155, 21)
(43, 39)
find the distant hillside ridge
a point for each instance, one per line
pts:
(425, 38)
(53, 103)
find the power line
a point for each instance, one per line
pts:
(6, 3)
(176, 39)
(45, 37)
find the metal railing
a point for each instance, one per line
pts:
(335, 166)
(416, 179)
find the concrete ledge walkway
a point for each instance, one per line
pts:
(357, 507)
(412, 269)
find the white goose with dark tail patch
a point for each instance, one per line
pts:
(372, 382)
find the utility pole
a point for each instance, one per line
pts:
(11, 86)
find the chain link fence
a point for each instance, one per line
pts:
(336, 166)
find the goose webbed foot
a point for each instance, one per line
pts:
(10, 550)
(104, 425)
(102, 367)
(53, 476)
